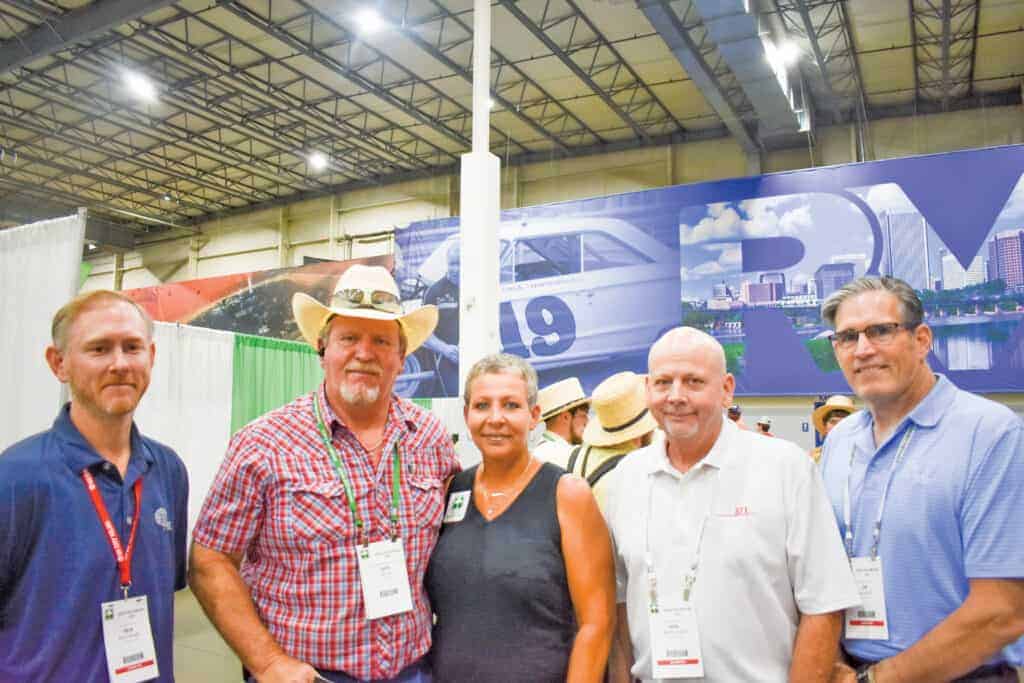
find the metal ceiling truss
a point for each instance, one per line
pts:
(448, 38)
(57, 32)
(822, 30)
(686, 36)
(944, 34)
(572, 37)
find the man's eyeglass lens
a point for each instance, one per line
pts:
(882, 333)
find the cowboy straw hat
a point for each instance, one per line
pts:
(620, 406)
(563, 395)
(367, 292)
(838, 402)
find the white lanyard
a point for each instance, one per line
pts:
(691, 575)
(877, 531)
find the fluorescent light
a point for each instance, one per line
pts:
(789, 52)
(140, 86)
(368, 20)
(317, 161)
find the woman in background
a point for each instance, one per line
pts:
(522, 579)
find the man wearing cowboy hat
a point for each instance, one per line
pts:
(827, 416)
(728, 564)
(334, 502)
(623, 424)
(564, 408)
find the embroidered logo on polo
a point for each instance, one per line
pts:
(162, 520)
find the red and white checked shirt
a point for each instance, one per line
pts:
(278, 500)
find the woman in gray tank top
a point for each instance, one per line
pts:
(522, 579)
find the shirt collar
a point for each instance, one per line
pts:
(396, 414)
(926, 414)
(554, 438)
(79, 454)
(718, 457)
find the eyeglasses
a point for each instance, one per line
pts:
(879, 334)
(367, 298)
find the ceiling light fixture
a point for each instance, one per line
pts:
(140, 86)
(317, 161)
(789, 52)
(368, 20)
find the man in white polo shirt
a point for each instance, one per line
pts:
(729, 566)
(565, 410)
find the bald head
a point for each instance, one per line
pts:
(689, 340)
(687, 389)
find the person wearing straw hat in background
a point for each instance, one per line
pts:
(564, 408)
(335, 502)
(622, 424)
(827, 416)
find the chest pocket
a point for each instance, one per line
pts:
(426, 499)
(318, 514)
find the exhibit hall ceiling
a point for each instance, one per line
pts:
(159, 115)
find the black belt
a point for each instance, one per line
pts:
(981, 673)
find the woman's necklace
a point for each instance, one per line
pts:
(489, 496)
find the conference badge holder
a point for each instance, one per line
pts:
(384, 578)
(458, 504)
(868, 621)
(128, 640)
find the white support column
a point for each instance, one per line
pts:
(480, 214)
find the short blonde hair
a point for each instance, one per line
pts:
(64, 318)
(503, 362)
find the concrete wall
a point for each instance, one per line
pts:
(358, 223)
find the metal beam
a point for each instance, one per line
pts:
(72, 28)
(625, 93)
(678, 40)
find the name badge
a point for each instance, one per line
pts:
(457, 506)
(384, 578)
(868, 621)
(128, 640)
(675, 644)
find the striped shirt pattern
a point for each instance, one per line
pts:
(278, 501)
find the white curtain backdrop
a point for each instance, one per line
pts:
(188, 404)
(39, 272)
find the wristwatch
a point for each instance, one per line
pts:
(866, 675)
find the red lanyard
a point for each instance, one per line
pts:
(123, 557)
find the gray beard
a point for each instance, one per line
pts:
(359, 396)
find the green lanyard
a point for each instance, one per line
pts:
(339, 467)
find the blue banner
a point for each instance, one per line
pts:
(587, 286)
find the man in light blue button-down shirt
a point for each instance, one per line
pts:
(930, 479)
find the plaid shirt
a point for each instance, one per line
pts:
(278, 501)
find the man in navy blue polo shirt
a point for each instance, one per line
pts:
(92, 515)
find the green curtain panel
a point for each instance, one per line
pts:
(269, 373)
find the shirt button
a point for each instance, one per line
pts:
(128, 519)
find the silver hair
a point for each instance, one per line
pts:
(910, 303)
(503, 362)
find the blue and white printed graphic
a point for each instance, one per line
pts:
(588, 285)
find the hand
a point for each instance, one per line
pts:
(285, 669)
(451, 352)
(843, 673)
